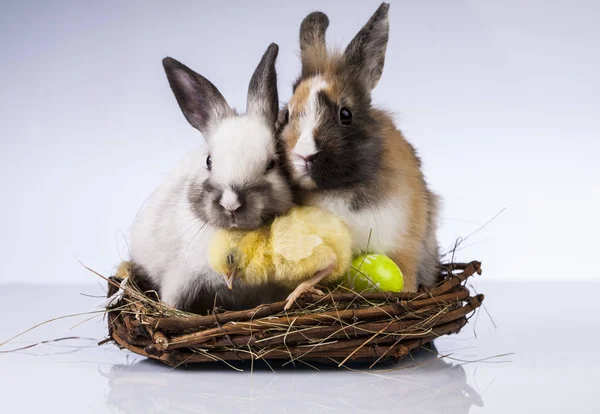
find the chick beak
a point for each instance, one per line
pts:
(229, 278)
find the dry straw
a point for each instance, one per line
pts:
(339, 327)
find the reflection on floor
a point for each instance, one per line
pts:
(512, 365)
(425, 382)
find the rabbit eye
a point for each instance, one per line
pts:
(271, 165)
(287, 116)
(345, 116)
(209, 163)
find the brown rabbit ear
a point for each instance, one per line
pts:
(200, 101)
(365, 55)
(312, 39)
(263, 99)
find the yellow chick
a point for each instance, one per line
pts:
(300, 249)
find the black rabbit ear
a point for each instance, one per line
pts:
(282, 117)
(365, 54)
(312, 36)
(200, 101)
(263, 99)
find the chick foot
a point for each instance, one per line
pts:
(308, 286)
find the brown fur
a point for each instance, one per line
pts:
(300, 97)
(398, 168)
(402, 173)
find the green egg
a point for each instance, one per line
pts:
(374, 273)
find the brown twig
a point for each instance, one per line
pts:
(340, 326)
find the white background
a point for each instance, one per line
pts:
(500, 98)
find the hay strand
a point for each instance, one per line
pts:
(340, 327)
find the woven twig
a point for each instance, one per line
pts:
(340, 326)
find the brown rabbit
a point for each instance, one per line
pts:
(349, 157)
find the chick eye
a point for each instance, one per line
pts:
(345, 116)
(209, 163)
(230, 259)
(271, 165)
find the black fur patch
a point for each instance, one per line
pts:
(349, 156)
(205, 202)
(202, 299)
(263, 99)
(365, 54)
(142, 280)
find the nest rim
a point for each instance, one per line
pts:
(369, 327)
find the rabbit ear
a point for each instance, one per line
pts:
(366, 52)
(262, 91)
(312, 36)
(200, 101)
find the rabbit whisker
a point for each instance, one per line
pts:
(188, 245)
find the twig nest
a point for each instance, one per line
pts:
(339, 327)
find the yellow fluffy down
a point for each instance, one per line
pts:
(124, 270)
(306, 240)
(294, 248)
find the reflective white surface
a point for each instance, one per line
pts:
(550, 332)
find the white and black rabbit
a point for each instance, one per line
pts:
(348, 155)
(238, 179)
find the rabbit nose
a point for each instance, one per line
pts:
(304, 160)
(307, 158)
(230, 201)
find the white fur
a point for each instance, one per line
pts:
(113, 300)
(229, 200)
(167, 238)
(241, 148)
(386, 222)
(305, 146)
